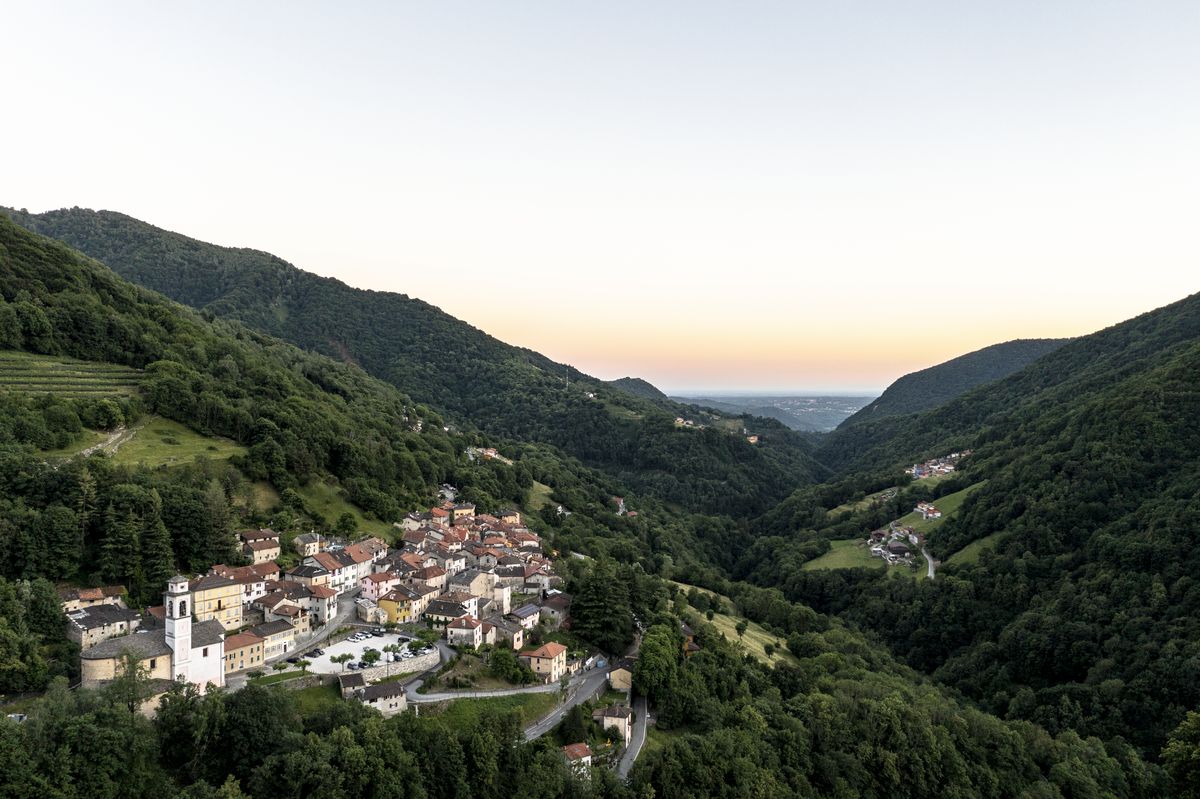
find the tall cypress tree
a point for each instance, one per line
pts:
(119, 549)
(157, 558)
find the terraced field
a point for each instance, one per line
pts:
(37, 374)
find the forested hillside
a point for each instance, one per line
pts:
(844, 720)
(1078, 608)
(459, 370)
(937, 385)
(637, 387)
(1069, 373)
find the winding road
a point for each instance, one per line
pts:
(641, 720)
(583, 687)
(929, 558)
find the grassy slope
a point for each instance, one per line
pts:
(971, 552)
(539, 496)
(162, 442)
(89, 438)
(462, 713)
(848, 554)
(754, 639)
(325, 499)
(316, 698)
(948, 505)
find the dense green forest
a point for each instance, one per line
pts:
(842, 720)
(937, 385)
(1082, 611)
(626, 428)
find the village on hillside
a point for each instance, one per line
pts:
(936, 466)
(473, 578)
(892, 543)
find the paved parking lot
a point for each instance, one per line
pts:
(323, 665)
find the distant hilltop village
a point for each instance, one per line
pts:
(937, 466)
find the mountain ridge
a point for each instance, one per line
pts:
(452, 366)
(935, 385)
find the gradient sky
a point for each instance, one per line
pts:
(709, 195)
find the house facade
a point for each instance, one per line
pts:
(244, 651)
(218, 598)
(549, 661)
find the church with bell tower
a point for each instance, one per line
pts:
(179, 650)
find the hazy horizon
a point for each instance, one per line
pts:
(695, 194)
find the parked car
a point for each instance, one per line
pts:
(293, 660)
(353, 667)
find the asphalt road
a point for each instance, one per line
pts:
(345, 614)
(929, 559)
(641, 720)
(583, 687)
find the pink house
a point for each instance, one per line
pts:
(376, 585)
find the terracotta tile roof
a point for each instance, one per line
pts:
(261, 546)
(382, 577)
(577, 751)
(550, 650)
(327, 561)
(242, 639)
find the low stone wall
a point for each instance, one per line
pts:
(420, 663)
(307, 682)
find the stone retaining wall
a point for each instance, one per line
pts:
(419, 664)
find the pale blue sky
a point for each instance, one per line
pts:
(739, 195)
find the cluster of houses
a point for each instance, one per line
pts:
(892, 543)
(618, 716)
(928, 511)
(937, 466)
(481, 578)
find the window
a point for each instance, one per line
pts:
(204, 652)
(153, 663)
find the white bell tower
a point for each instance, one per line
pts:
(177, 603)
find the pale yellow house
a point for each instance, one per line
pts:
(279, 635)
(615, 717)
(217, 597)
(620, 677)
(244, 651)
(262, 551)
(548, 661)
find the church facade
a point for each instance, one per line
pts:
(180, 649)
